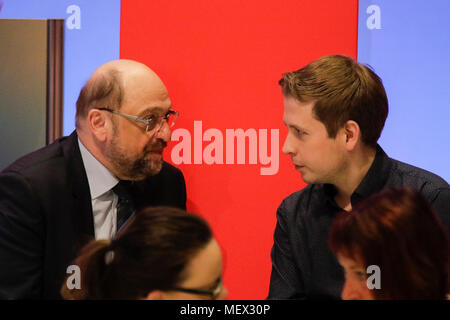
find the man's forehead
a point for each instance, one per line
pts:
(298, 111)
(294, 118)
(299, 103)
(144, 99)
(155, 109)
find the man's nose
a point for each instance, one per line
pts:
(163, 131)
(288, 147)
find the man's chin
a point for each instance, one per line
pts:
(307, 178)
(154, 167)
(151, 168)
(155, 156)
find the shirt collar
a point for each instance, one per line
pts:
(377, 175)
(100, 179)
(373, 181)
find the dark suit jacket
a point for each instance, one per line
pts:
(46, 216)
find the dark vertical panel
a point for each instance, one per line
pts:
(55, 79)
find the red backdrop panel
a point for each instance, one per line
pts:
(221, 61)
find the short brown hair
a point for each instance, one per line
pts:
(103, 90)
(397, 230)
(343, 90)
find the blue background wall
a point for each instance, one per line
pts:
(410, 52)
(92, 37)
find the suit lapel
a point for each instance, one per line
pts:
(81, 211)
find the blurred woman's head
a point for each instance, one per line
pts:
(397, 231)
(162, 253)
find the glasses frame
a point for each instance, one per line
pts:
(213, 294)
(147, 122)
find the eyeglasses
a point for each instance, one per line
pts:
(213, 294)
(151, 121)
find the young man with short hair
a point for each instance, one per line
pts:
(335, 110)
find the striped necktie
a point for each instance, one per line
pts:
(125, 205)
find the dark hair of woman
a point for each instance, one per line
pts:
(150, 253)
(397, 230)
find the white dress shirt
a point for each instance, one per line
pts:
(103, 199)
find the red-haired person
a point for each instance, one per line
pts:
(392, 246)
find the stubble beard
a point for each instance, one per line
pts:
(135, 168)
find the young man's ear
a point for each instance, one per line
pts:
(352, 134)
(98, 124)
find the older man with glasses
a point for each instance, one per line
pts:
(89, 184)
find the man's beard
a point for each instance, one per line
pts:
(137, 168)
